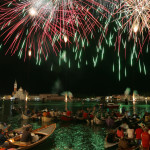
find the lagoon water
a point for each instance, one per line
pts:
(67, 136)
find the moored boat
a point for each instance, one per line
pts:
(46, 119)
(97, 121)
(43, 133)
(112, 105)
(24, 117)
(66, 118)
(109, 145)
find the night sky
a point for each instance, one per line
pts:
(86, 81)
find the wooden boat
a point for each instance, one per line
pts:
(66, 118)
(4, 127)
(97, 121)
(11, 134)
(131, 148)
(109, 145)
(46, 119)
(112, 105)
(24, 117)
(79, 120)
(43, 133)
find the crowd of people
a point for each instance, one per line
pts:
(123, 128)
(132, 132)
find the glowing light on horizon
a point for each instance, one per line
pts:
(134, 100)
(26, 98)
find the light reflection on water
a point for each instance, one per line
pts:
(67, 136)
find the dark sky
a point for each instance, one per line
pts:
(81, 82)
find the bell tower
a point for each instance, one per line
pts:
(15, 86)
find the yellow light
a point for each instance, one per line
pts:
(135, 28)
(29, 53)
(11, 140)
(65, 38)
(32, 11)
(26, 97)
(66, 97)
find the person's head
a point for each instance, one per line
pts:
(119, 128)
(145, 129)
(130, 126)
(27, 128)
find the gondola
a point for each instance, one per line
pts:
(109, 145)
(66, 118)
(43, 133)
(24, 117)
(46, 119)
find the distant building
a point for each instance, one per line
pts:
(51, 97)
(6, 97)
(20, 94)
(15, 86)
(34, 97)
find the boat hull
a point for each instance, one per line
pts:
(44, 132)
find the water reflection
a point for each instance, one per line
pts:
(66, 136)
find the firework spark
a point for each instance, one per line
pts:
(135, 15)
(46, 25)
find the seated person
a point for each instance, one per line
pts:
(120, 132)
(138, 133)
(44, 114)
(130, 132)
(2, 138)
(34, 137)
(124, 125)
(34, 116)
(26, 136)
(123, 144)
(145, 139)
(111, 137)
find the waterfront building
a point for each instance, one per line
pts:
(51, 97)
(20, 93)
(34, 97)
(6, 97)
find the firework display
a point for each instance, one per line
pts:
(45, 25)
(64, 32)
(131, 24)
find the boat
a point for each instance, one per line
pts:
(46, 119)
(97, 121)
(109, 145)
(112, 105)
(4, 127)
(79, 120)
(11, 134)
(43, 133)
(34, 118)
(131, 148)
(66, 118)
(24, 117)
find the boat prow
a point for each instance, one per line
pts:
(43, 133)
(109, 145)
